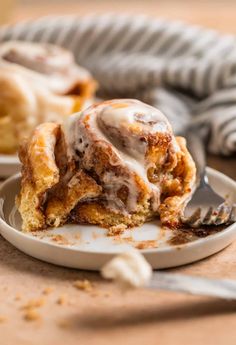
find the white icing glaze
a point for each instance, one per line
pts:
(109, 124)
(54, 67)
(129, 269)
(38, 57)
(129, 114)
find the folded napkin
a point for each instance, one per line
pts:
(186, 71)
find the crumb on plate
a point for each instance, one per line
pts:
(146, 244)
(124, 240)
(77, 236)
(116, 230)
(60, 239)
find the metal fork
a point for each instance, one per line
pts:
(206, 207)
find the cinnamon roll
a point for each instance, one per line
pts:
(115, 163)
(39, 83)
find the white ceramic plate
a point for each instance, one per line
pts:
(9, 165)
(88, 247)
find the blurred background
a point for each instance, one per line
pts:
(218, 14)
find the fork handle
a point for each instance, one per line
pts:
(222, 288)
(197, 150)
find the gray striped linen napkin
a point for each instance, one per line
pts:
(188, 72)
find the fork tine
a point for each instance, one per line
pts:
(207, 218)
(223, 215)
(195, 219)
(212, 215)
(232, 217)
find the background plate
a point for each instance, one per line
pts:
(88, 247)
(9, 165)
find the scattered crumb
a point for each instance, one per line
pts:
(63, 324)
(121, 240)
(77, 236)
(60, 239)
(162, 233)
(2, 318)
(107, 294)
(34, 303)
(95, 235)
(18, 297)
(137, 244)
(85, 285)
(39, 234)
(116, 230)
(31, 315)
(47, 290)
(146, 244)
(62, 300)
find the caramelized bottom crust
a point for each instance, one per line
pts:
(98, 214)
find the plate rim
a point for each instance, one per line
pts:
(10, 159)
(9, 165)
(162, 250)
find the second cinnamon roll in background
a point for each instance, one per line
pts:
(39, 83)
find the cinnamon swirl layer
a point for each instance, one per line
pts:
(121, 165)
(39, 83)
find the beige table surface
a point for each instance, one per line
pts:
(105, 315)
